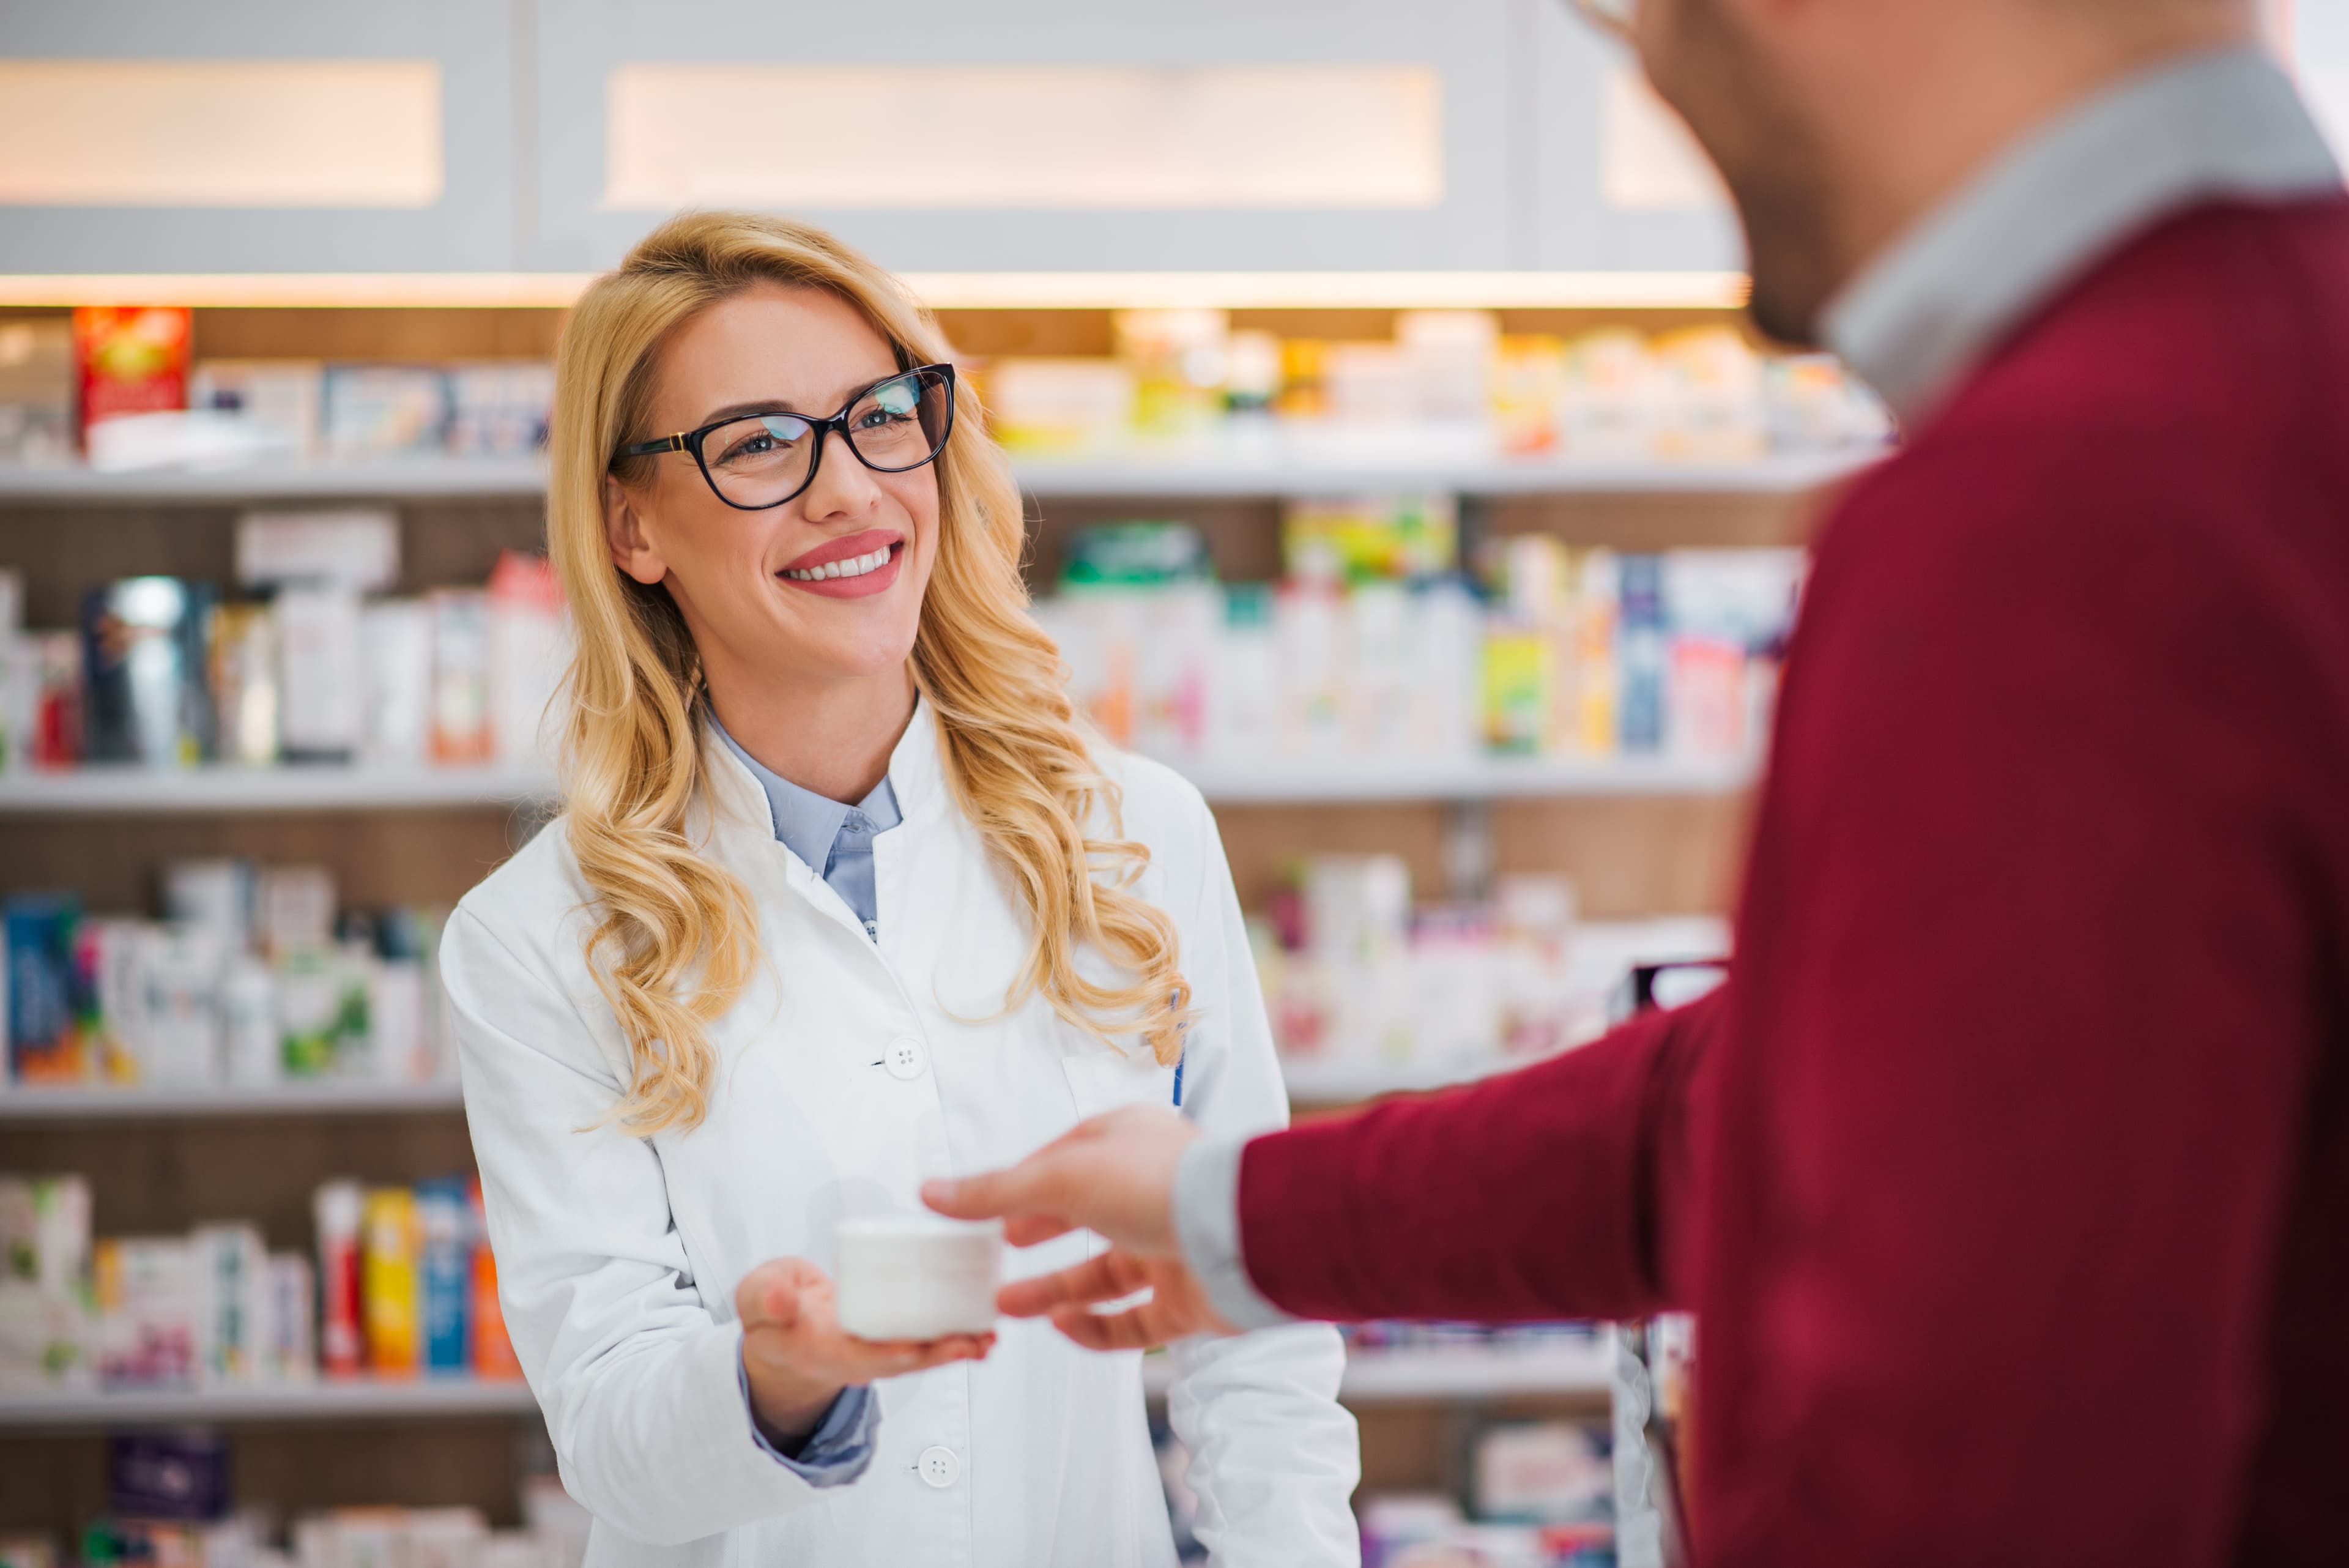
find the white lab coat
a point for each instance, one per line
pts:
(850, 1071)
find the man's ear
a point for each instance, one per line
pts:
(624, 533)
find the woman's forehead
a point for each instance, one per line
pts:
(801, 349)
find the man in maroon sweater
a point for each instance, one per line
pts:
(2008, 1173)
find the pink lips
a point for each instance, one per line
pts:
(844, 548)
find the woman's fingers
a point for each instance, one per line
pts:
(1146, 1325)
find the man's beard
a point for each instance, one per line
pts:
(1768, 157)
(1789, 254)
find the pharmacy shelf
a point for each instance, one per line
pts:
(212, 790)
(421, 478)
(327, 1399)
(45, 1103)
(1343, 780)
(1395, 468)
(1375, 1377)
(1222, 469)
(1456, 1372)
(225, 788)
(1341, 1081)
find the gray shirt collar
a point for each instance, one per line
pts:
(808, 824)
(2216, 125)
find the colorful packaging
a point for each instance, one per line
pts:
(294, 908)
(528, 647)
(251, 1040)
(45, 1301)
(1591, 727)
(1640, 652)
(444, 1229)
(132, 360)
(338, 1210)
(383, 410)
(492, 1352)
(461, 676)
(498, 408)
(396, 650)
(1519, 695)
(1366, 539)
(231, 1297)
(44, 988)
(40, 700)
(244, 669)
(389, 1293)
(145, 1288)
(37, 393)
(146, 653)
(289, 1348)
(279, 398)
(320, 672)
(159, 1475)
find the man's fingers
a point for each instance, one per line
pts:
(1034, 1230)
(1026, 1187)
(1102, 1279)
(991, 1195)
(1143, 1327)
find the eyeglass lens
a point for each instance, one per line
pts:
(764, 459)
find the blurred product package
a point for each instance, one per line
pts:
(130, 360)
(145, 657)
(1357, 975)
(279, 399)
(252, 978)
(45, 1301)
(37, 388)
(498, 408)
(170, 1503)
(396, 1293)
(311, 663)
(1446, 386)
(1375, 644)
(383, 410)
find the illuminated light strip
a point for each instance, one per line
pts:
(943, 291)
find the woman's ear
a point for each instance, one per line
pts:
(624, 533)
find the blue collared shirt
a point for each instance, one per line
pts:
(835, 842)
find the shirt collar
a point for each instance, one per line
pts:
(2225, 123)
(806, 823)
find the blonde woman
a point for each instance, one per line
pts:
(844, 899)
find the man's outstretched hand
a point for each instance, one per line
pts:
(1113, 1175)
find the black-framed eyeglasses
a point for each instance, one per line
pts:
(756, 461)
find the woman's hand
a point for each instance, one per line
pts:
(799, 1358)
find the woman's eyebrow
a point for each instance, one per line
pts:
(784, 406)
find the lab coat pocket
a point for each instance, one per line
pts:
(1103, 1078)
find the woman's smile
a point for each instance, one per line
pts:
(854, 565)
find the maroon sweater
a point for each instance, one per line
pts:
(2008, 1175)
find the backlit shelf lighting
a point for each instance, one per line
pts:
(941, 291)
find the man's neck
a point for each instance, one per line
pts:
(1924, 146)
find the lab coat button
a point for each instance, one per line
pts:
(941, 1467)
(903, 1058)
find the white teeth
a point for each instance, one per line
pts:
(855, 567)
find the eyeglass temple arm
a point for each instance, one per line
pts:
(647, 448)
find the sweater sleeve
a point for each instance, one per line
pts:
(1555, 1191)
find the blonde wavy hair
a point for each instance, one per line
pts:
(676, 936)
